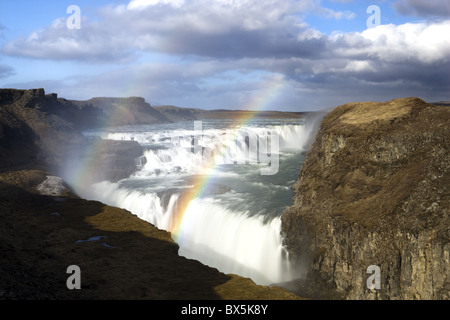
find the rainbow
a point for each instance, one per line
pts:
(80, 171)
(200, 183)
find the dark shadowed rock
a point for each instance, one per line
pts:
(41, 130)
(127, 259)
(30, 131)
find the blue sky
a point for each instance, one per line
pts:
(281, 55)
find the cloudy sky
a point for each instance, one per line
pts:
(236, 54)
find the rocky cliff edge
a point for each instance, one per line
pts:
(372, 200)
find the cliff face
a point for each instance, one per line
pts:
(374, 190)
(38, 130)
(30, 131)
(115, 112)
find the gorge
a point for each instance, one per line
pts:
(373, 190)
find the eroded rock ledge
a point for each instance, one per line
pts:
(374, 190)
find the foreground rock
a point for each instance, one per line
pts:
(374, 190)
(119, 255)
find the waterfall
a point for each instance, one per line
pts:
(236, 228)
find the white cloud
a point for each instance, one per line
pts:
(333, 14)
(415, 43)
(56, 42)
(200, 27)
(211, 45)
(227, 28)
(359, 66)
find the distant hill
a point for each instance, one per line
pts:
(441, 103)
(122, 111)
(135, 110)
(174, 113)
(179, 114)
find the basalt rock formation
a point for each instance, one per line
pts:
(373, 194)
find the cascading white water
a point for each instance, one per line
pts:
(148, 206)
(236, 227)
(234, 243)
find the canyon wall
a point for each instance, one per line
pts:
(39, 130)
(374, 191)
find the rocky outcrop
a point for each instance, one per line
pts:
(374, 191)
(31, 132)
(114, 112)
(42, 131)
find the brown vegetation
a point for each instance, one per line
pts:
(372, 189)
